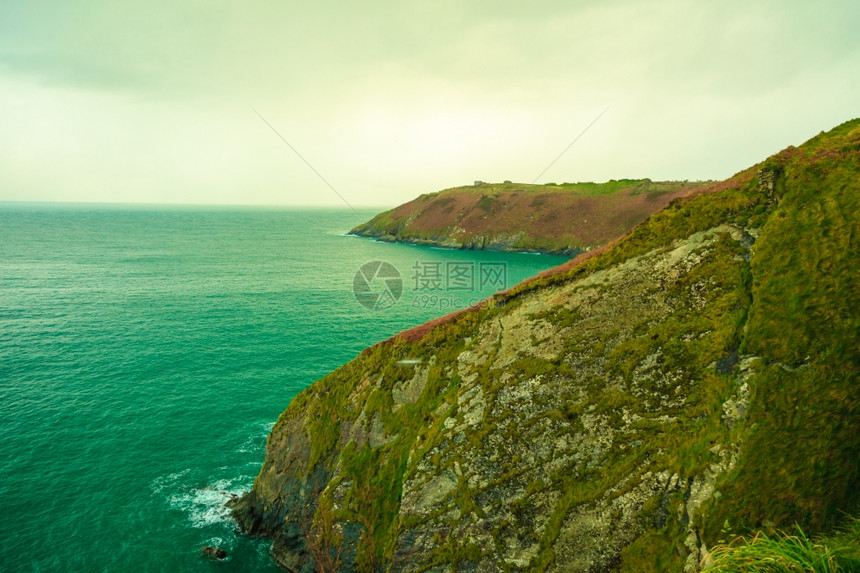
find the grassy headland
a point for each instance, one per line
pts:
(561, 219)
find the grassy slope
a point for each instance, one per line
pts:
(803, 449)
(801, 442)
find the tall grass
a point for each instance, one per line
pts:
(785, 552)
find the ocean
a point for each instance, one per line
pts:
(146, 351)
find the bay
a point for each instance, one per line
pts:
(146, 351)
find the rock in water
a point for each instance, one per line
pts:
(213, 552)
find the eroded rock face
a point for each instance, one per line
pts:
(541, 439)
(519, 444)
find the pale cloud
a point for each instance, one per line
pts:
(154, 102)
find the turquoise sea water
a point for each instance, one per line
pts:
(145, 352)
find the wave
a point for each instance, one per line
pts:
(202, 506)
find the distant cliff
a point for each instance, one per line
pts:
(560, 219)
(695, 380)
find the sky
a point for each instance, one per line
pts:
(371, 104)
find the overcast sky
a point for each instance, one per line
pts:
(155, 101)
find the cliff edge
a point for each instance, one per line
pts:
(695, 380)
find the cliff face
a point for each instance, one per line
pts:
(561, 219)
(695, 380)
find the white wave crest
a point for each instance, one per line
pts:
(204, 506)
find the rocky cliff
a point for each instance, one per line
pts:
(561, 219)
(694, 380)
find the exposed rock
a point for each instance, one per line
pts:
(767, 181)
(213, 552)
(408, 392)
(737, 406)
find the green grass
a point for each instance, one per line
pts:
(804, 324)
(790, 552)
(585, 188)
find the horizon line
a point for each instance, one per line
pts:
(162, 204)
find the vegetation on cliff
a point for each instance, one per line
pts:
(838, 552)
(562, 219)
(690, 383)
